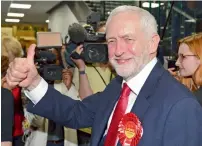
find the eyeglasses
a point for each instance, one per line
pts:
(181, 57)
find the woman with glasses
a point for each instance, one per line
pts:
(190, 64)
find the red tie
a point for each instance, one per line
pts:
(118, 114)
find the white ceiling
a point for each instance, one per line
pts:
(36, 14)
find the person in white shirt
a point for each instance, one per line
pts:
(144, 105)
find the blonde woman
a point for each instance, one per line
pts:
(11, 48)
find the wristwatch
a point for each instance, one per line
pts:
(82, 72)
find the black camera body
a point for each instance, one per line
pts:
(45, 59)
(95, 53)
(46, 65)
(95, 49)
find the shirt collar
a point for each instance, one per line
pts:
(138, 81)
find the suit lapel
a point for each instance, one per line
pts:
(142, 104)
(144, 98)
(105, 113)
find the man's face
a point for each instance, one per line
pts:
(128, 46)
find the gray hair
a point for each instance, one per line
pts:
(148, 22)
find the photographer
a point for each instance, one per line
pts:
(91, 78)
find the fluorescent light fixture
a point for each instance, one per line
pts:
(12, 20)
(20, 6)
(153, 5)
(47, 21)
(15, 14)
(191, 20)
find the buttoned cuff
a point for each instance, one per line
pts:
(37, 93)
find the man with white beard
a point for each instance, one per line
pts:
(143, 106)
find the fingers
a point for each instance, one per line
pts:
(12, 78)
(16, 72)
(79, 49)
(11, 83)
(67, 74)
(3, 80)
(172, 72)
(30, 54)
(13, 71)
(67, 77)
(171, 69)
(5, 85)
(19, 64)
(67, 71)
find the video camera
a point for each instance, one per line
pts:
(94, 44)
(48, 56)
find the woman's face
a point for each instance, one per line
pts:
(187, 61)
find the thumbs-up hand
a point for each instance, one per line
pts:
(23, 72)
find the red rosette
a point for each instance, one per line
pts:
(130, 130)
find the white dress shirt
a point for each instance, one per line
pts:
(135, 85)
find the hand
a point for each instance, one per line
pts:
(80, 64)
(67, 76)
(172, 72)
(4, 83)
(22, 71)
(63, 49)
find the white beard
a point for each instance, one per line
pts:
(132, 68)
(124, 70)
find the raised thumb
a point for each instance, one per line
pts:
(30, 54)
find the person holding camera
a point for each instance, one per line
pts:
(143, 106)
(91, 78)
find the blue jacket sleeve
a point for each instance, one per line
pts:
(66, 111)
(184, 124)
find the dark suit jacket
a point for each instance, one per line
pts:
(198, 95)
(7, 115)
(169, 113)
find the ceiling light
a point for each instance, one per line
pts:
(153, 5)
(20, 6)
(191, 20)
(47, 21)
(15, 14)
(12, 20)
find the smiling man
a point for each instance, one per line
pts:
(143, 106)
